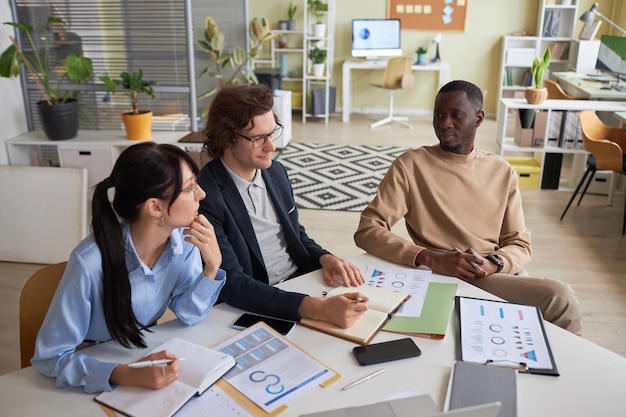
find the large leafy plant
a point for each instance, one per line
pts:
(49, 79)
(231, 68)
(132, 84)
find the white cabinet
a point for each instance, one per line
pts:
(96, 150)
(556, 20)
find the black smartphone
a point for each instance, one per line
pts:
(386, 351)
(248, 319)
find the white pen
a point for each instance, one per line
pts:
(365, 378)
(145, 364)
(474, 264)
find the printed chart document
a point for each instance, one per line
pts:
(202, 367)
(270, 370)
(381, 305)
(427, 313)
(504, 334)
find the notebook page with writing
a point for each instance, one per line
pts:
(202, 367)
(381, 303)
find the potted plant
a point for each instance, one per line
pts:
(318, 10)
(137, 122)
(291, 12)
(421, 52)
(538, 93)
(58, 110)
(318, 58)
(219, 60)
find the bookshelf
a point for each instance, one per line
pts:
(556, 21)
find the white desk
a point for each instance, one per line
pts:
(442, 68)
(592, 379)
(582, 85)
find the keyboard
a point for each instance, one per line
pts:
(620, 88)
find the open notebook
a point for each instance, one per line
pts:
(202, 367)
(381, 305)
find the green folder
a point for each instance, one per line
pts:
(435, 316)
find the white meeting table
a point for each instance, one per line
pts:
(349, 65)
(592, 380)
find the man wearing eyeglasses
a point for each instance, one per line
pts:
(251, 206)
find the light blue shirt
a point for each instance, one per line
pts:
(76, 314)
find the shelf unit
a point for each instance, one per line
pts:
(555, 30)
(505, 140)
(323, 82)
(299, 77)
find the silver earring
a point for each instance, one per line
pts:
(160, 222)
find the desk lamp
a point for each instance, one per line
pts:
(590, 14)
(437, 41)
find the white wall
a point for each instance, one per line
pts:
(12, 116)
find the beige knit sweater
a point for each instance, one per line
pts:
(447, 200)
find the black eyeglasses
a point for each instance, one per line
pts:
(261, 140)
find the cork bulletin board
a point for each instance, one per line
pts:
(429, 15)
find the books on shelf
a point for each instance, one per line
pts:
(200, 369)
(381, 305)
(558, 50)
(551, 24)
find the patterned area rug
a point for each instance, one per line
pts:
(336, 177)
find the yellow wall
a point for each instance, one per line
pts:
(473, 55)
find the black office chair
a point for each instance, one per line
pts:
(607, 146)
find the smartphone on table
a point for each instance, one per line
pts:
(386, 351)
(248, 319)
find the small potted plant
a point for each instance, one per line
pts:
(318, 9)
(318, 58)
(538, 93)
(137, 122)
(291, 12)
(421, 52)
(58, 111)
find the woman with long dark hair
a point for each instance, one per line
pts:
(145, 254)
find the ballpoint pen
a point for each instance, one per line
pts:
(365, 378)
(145, 364)
(474, 264)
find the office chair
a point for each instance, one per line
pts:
(397, 76)
(34, 302)
(607, 146)
(555, 92)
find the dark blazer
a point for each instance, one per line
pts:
(246, 284)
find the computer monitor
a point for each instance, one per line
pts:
(376, 38)
(612, 56)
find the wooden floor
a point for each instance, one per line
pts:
(586, 249)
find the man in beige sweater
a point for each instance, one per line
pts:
(463, 211)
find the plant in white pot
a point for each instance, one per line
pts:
(291, 13)
(538, 93)
(137, 122)
(58, 109)
(318, 59)
(318, 9)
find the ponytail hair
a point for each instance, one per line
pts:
(142, 171)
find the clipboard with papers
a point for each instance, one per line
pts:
(498, 333)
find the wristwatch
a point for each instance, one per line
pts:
(496, 260)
